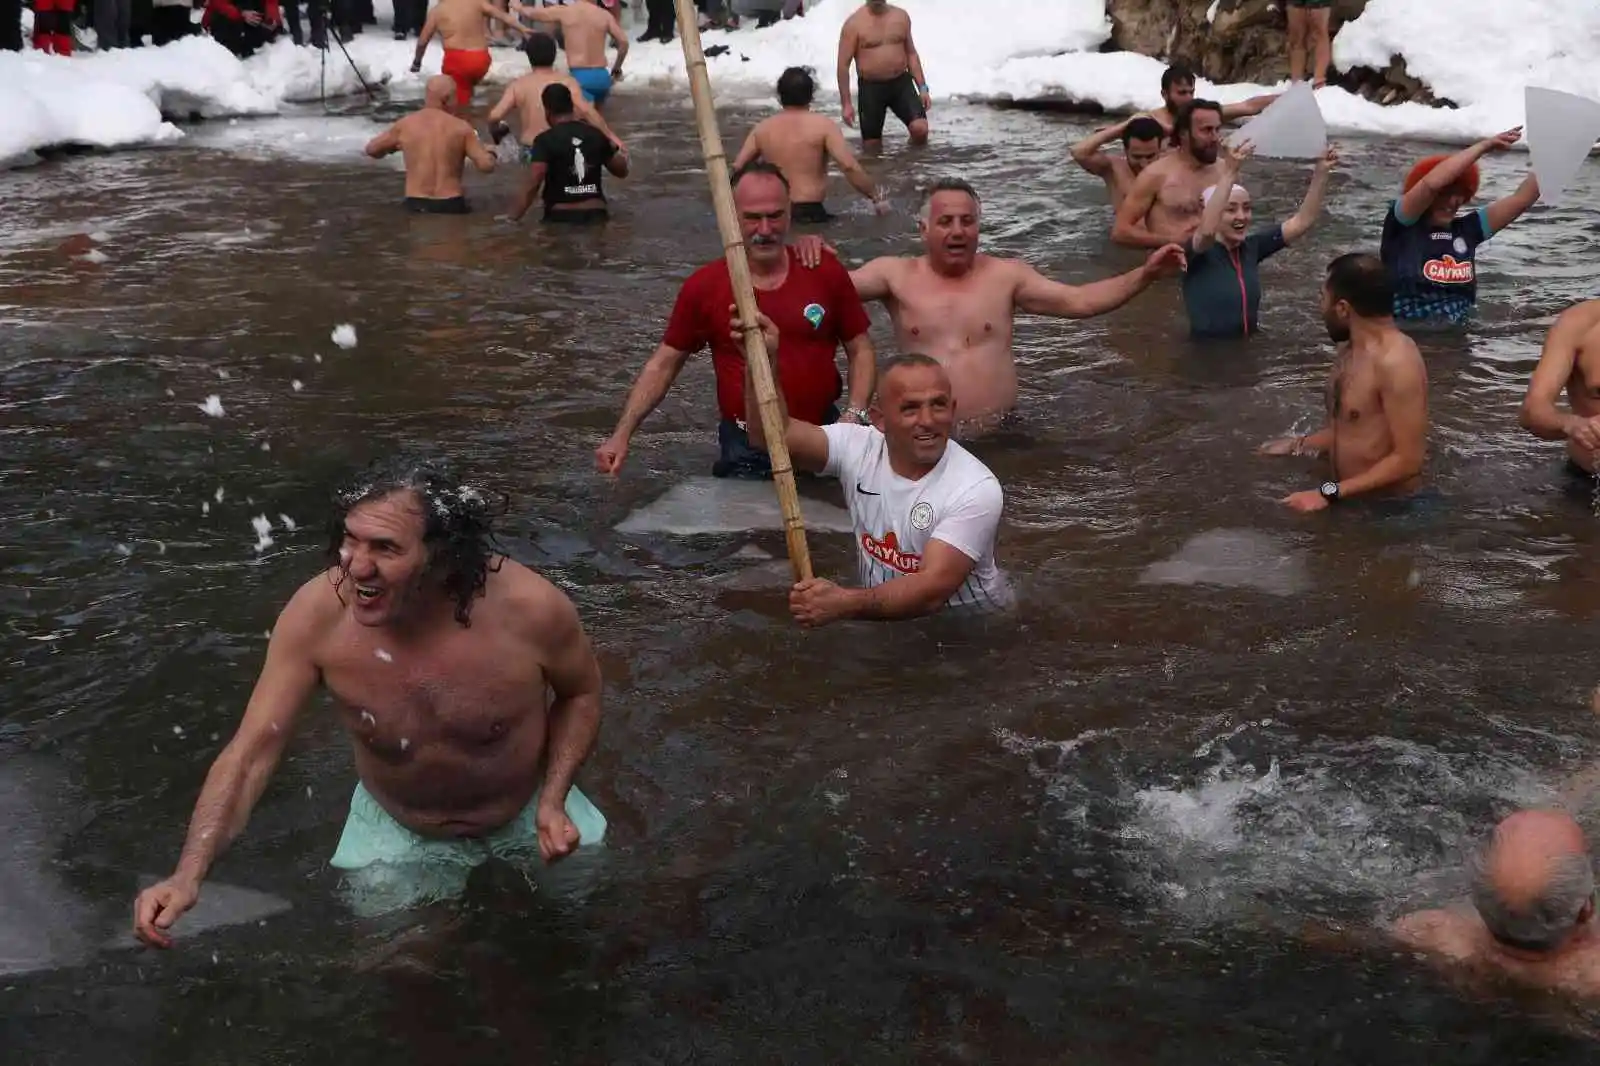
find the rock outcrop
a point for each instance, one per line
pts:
(1245, 40)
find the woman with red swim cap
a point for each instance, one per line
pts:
(1428, 250)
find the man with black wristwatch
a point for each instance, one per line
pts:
(1377, 429)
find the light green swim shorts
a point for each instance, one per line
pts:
(388, 867)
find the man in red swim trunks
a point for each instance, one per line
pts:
(460, 26)
(52, 26)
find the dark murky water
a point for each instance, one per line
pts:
(1103, 832)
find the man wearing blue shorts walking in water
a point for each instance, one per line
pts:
(585, 26)
(439, 652)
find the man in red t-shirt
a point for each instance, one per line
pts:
(815, 311)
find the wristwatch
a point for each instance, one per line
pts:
(1329, 491)
(857, 415)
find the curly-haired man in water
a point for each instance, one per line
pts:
(439, 653)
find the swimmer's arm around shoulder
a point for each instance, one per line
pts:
(1403, 386)
(573, 674)
(1508, 209)
(1539, 414)
(1129, 228)
(944, 568)
(240, 773)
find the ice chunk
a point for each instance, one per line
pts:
(344, 335)
(725, 505)
(1560, 131)
(213, 406)
(1290, 128)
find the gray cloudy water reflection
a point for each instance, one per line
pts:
(1108, 830)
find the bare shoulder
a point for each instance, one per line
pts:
(853, 21)
(532, 600)
(1400, 355)
(313, 610)
(1438, 932)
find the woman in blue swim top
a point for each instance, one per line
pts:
(1222, 284)
(1431, 252)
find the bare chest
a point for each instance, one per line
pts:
(890, 31)
(1353, 396)
(938, 319)
(464, 693)
(1181, 192)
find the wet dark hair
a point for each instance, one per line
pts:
(540, 48)
(1177, 74)
(1143, 128)
(759, 166)
(796, 87)
(457, 522)
(1362, 281)
(557, 99)
(1183, 121)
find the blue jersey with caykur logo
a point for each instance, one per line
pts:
(1432, 267)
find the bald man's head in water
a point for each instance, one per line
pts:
(1533, 886)
(440, 92)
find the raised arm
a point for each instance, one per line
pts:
(1089, 153)
(530, 191)
(1205, 234)
(385, 143)
(808, 445)
(1245, 108)
(1415, 203)
(241, 771)
(573, 720)
(839, 151)
(1539, 414)
(1130, 227)
(1403, 387)
(1038, 295)
(1300, 223)
(430, 26)
(1508, 209)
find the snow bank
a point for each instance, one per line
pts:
(1479, 53)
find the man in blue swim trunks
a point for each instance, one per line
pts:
(584, 27)
(438, 652)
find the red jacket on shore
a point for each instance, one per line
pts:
(270, 14)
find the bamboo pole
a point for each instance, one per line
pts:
(744, 294)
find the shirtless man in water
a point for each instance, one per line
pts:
(1165, 204)
(460, 26)
(1571, 362)
(877, 39)
(1177, 93)
(436, 145)
(438, 653)
(1532, 913)
(1142, 144)
(585, 25)
(959, 307)
(1377, 403)
(524, 96)
(799, 142)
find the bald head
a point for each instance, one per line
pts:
(1534, 883)
(441, 91)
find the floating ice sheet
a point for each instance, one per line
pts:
(1233, 558)
(718, 505)
(1290, 128)
(1561, 130)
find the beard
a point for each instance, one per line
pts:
(1338, 331)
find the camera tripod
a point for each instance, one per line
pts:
(333, 32)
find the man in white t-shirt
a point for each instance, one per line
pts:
(926, 510)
